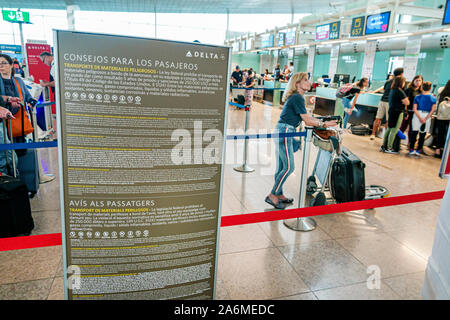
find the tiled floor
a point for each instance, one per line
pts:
(267, 260)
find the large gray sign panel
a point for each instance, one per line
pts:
(141, 125)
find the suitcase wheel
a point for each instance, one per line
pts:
(311, 186)
(318, 200)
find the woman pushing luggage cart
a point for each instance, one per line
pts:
(338, 171)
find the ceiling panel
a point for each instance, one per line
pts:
(182, 6)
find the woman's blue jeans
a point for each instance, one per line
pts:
(285, 157)
(347, 106)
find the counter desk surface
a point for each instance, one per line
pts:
(366, 105)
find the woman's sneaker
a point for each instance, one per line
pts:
(411, 152)
(417, 153)
(391, 151)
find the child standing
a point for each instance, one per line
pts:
(423, 108)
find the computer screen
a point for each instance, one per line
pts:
(446, 19)
(344, 78)
(377, 23)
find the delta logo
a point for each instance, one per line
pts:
(202, 55)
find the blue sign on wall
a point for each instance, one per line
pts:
(329, 31)
(281, 39)
(10, 47)
(378, 23)
(335, 29)
(357, 29)
(267, 41)
(290, 38)
(446, 19)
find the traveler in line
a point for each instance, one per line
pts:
(285, 72)
(267, 76)
(291, 68)
(383, 105)
(413, 89)
(48, 59)
(277, 73)
(424, 106)
(350, 98)
(18, 69)
(249, 83)
(5, 114)
(293, 113)
(8, 84)
(442, 122)
(397, 106)
(236, 78)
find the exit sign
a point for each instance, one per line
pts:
(16, 16)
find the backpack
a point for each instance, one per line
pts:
(443, 111)
(342, 92)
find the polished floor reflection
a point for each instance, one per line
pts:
(267, 260)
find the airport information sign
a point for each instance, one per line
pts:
(446, 19)
(281, 39)
(357, 28)
(267, 41)
(378, 23)
(290, 38)
(141, 162)
(16, 16)
(330, 31)
(322, 32)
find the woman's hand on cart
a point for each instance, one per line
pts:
(329, 124)
(5, 113)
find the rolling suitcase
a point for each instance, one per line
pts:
(15, 213)
(28, 167)
(347, 178)
(360, 130)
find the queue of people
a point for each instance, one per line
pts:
(411, 107)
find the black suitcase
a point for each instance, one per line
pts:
(360, 130)
(347, 178)
(15, 215)
(15, 208)
(240, 99)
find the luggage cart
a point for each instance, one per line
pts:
(326, 156)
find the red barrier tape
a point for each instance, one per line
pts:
(54, 239)
(37, 241)
(328, 209)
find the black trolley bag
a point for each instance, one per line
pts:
(347, 178)
(15, 209)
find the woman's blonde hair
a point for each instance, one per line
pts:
(291, 87)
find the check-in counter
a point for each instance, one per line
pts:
(272, 91)
(327, 104)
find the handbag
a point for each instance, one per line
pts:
(21, 125)
(443, 112)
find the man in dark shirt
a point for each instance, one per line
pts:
(48, 59)
(237, 76)
(383, 106)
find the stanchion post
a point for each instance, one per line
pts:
(244, 167)
(303, 224)
(13, 154)
(34, 115)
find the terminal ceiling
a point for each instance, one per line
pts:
(184, 6)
